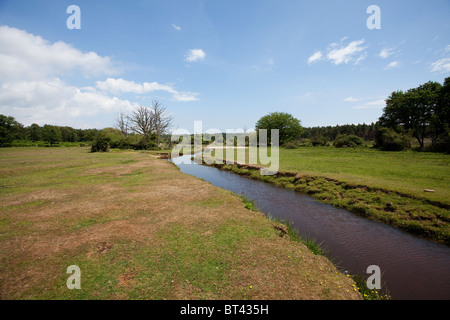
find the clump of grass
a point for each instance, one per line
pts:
(294, 235)
(249, 203)
(313, 246)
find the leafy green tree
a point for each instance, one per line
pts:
(51, 134)
(87, 135)
(69, 134)
(440, 120)
(412, 110)
(35, 132)
(9, 130)
(115, 137)
(289, 127)
(389, 140)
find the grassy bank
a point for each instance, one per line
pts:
(383, 186)
(138, 228)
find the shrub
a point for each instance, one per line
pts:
(442, 142)
(389, 140)
(319, 140)
(100, 144)
(347, 141)
(115, 138)
(306, 143)
(291, 145)
(146, 143)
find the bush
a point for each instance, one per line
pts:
(319, 140)
(100, 144)
(442, 142)
(291, 145)
(146, 143)
(306, 143)
(115, 138)
(389, 140)
(347, 141)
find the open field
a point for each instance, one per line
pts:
(409, 172)
(384, 186)
(138, 228)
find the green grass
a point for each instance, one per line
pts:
(410, 172)
(248, 203)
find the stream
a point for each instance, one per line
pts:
(412, 268)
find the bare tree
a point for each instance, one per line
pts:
(141, 120)
(162, 121)
(122, 123)
(147, 120)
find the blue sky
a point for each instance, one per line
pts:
(224, 62)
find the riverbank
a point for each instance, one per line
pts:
(420, 216)
(138, 228)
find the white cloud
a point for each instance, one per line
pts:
(379, 104)
(24, 56)
(195, 55)
(386, 52)
(316, 56)
(351, 99)
(339, 53)
(54, 102)
(344, 54)
(178, 28)
(441, 65)
(185, 96)
(118, 86)
(391, 65)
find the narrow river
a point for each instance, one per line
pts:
(412, 268)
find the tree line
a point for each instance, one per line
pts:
(143, 128)
(14, 133)
(420, 115)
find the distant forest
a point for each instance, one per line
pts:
(13, 133)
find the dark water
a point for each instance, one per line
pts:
(412, 268)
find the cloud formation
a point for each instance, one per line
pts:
(391, 65)
(344, 54)
(441, 65)
(31, 88)
(119, 86)
(55, 102)
(338, 53)
(195, 55)
(386, 52)
(24, 56)
(316, 56)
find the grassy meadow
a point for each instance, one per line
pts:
(408, 172)
(139, 228)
